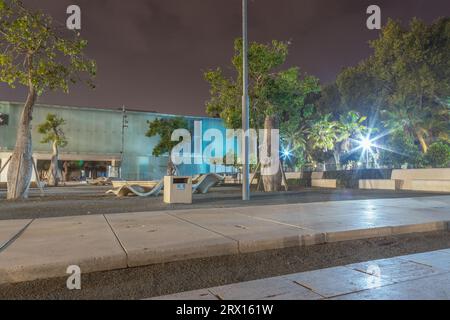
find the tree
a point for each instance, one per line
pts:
(438, 155)
(400, 150)
(330, 101)
(323, 135)
(36, 54)
(359, 90)
(164, 129)
(54, 134)
(275, 96)
(412, 66)
(406, 80)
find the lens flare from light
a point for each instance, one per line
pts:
(286, 153)
(366, 144)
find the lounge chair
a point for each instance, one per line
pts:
(137, 190)
(102, 181)
(206, 182)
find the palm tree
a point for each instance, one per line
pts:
(323, 134)
(349, 125)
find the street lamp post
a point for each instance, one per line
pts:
(122, 149)
(245, 108)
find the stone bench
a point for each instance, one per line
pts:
(145, 184)
(421, 174)
(431, 180)
(377, 184)
(426, 185)
(324, 183)
(294, 175)
(317, 181)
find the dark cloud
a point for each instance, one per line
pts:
(151, 53)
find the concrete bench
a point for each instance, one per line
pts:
(429, 185)
(317, 181)
(432, 180)
(145, 184)
(324, 183)
(421, 174)
(377, 184)
(294, 175)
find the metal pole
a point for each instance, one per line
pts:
(367, 159)
(122, 151)
(245, 108)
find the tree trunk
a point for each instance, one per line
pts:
(21, 166)
(422, 141)
(66, 169)
(337, 159)
(53, 180)
(271, 181)
(170, 167)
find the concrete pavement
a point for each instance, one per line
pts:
(108, 242)
(419, 276)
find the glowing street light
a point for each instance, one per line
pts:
(366, 144)
(286, 153)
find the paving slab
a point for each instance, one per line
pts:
(349, 220)
(439, 260)
(395, 269)
(265, 289)
(394, 278)
(337, 281)
(251, 234)
(138, 239)
(430, 288)
(150, 238)
(196, 295)
(49, 246)
(9, 228)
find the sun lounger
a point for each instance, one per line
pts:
(206, 182)
(137, 190)
(99, 181)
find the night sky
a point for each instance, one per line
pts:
(151, 54)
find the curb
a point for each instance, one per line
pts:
(17, 274)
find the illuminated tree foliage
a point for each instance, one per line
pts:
(406, 80)
(278, 98)
(163, 128)
(38, 54)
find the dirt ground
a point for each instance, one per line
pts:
(162, 279)
(87, 200)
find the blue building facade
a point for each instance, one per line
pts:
(95, 136)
